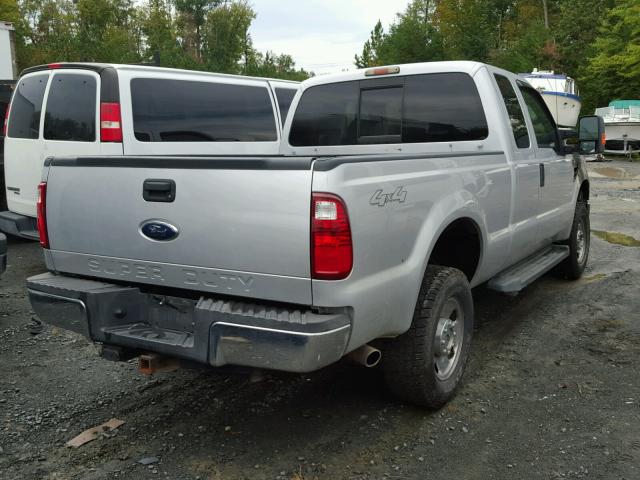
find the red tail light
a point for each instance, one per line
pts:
(42, 215)
(110, 126)
(331, 248)
(6, 121)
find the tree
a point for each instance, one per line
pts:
(576, 34)
(159, 32)
(192, 16)
(414, 37)
(466, 28)
(225, 36)
(613, 71)
(372, 50)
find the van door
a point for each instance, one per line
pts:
(71, 114)
(556, 170)
(527, 177)
(24, 150)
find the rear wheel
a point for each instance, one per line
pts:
(578, 242)
(425, 365)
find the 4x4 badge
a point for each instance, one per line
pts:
(380, 198)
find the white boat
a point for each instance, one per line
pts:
(560, 93)
(622, 126)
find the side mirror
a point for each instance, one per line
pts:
(591, 134)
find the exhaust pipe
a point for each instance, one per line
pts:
(366, 356)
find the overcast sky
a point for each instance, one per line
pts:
(322, 35)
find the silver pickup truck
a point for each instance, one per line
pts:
(396, 191)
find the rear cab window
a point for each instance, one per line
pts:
(422, 108)
(26, 107)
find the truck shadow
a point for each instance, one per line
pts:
(289, 416)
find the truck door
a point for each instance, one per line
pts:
(71, 114)
(526, 173)
(556, 170)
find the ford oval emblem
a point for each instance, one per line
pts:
(158, 230)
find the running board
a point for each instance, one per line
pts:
(528, 270)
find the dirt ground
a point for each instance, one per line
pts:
(552, 391)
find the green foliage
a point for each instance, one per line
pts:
(372, 48)
(613, 71)
(226, 36)
(413, 37)
(595, 41)
(194, 34)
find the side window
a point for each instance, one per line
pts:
(284, 97)
(24, 121)
(70, 113)
(442, 107)
(543, 125)
(326, 115)
(380, 115)
(516, 117)
(186, 111)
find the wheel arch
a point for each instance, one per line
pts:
(459, 244)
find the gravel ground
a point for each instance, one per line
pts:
(552, 391)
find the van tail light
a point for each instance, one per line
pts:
(331, 246)
(6, 121)
(41, 208)
(110, 122)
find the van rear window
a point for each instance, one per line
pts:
(167, 110)
(24, 117)
(438, 107)
(70, 114)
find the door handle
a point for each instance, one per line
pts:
(159, 190)
(542, 174)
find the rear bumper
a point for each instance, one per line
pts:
(19, 225)
(3, 253)
(209, 330)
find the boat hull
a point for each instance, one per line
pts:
(564, 107)
(622, 137)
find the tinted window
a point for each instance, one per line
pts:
(442, 107)
(26, 107)
(380, 115)
(326, 115)
(285, 97)
(186, 111)
(516, 117)
(422, 108)
(543, 125)
(71, 108)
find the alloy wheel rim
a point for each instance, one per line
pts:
(448, 340)
(581, 242)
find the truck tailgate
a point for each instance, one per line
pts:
(242, 224)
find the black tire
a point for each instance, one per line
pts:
(573, 266)
(409, 361)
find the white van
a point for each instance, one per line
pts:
(86, 109)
